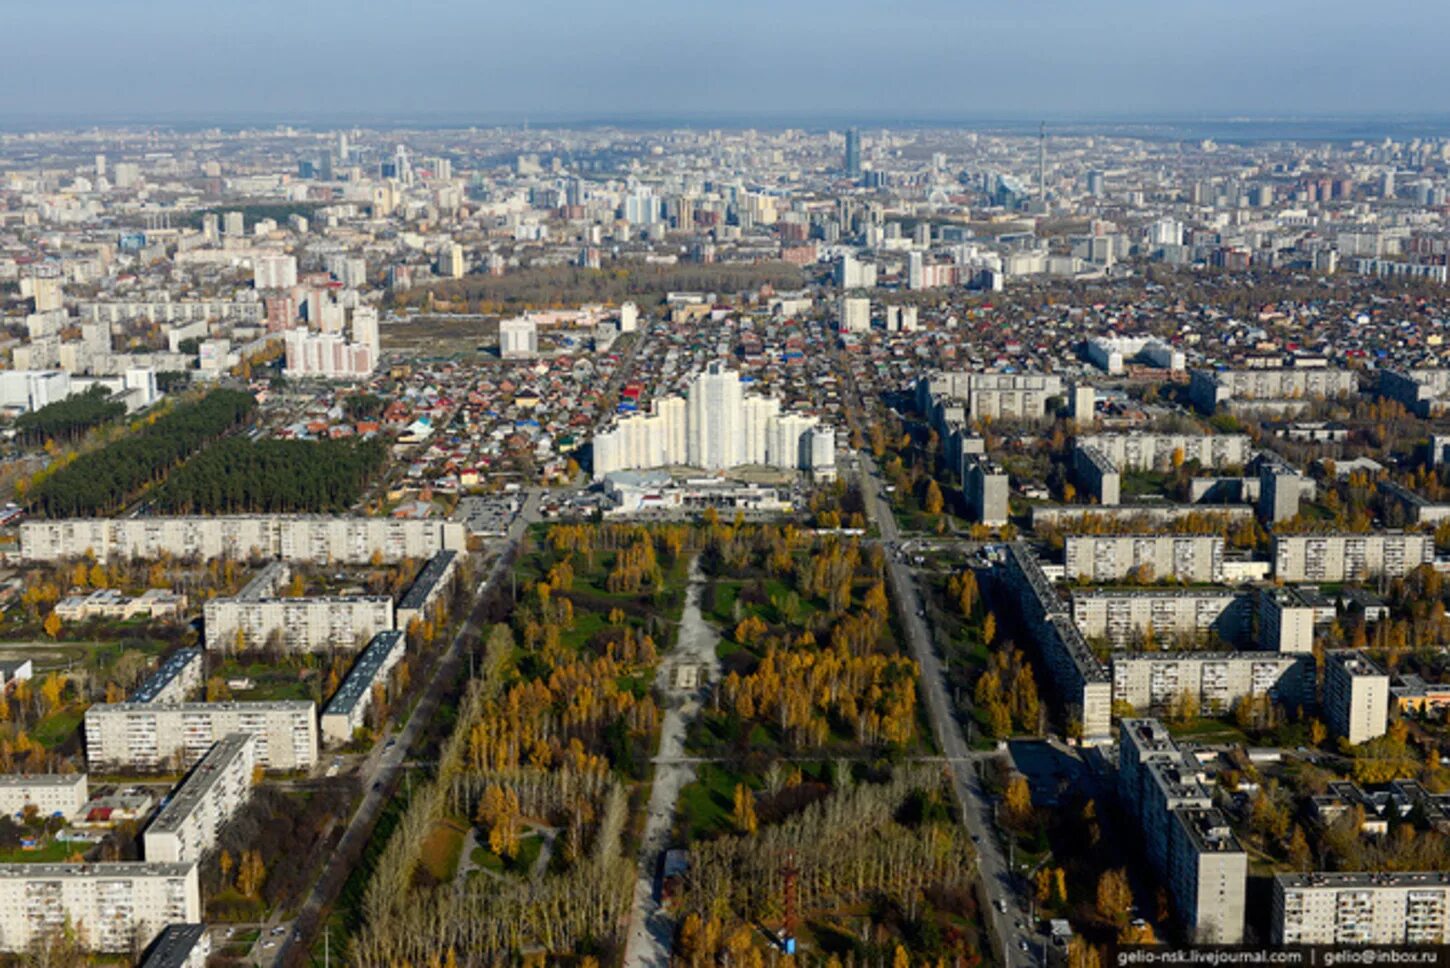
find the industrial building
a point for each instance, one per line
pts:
(214, 790)
(177, 679)
(1356, 696)
(344, 540)
(1373, 907)
(1145, 557)
(1337, 557)
(347, 709)
(115, 907)
(1188, 841)
(157, 735)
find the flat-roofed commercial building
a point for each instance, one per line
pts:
(346, 540)
(113, 907)
(1349, 557)
(1188, 841)
(51, 794)
(1379, 907)
(215, 789)
(1196, 558)
(156, 735)
(346, 710)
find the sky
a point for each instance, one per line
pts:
(483, 61)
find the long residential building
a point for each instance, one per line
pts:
(1210, 388)
(996, 396)
(51, 794)
(433, 583)
(1157, 452)
(1080, 679)
(296, 624)
(217, 787)
(1423, 392)
(346, 710)
(1378, 907)
(716, 426)
(313, 538)
(113, 907)
(1213, 680)
(177, 679)
(1188, 841)
(180, 946)
(1195, 558)
(156, 735)
(1340, 557)
(1162, 615)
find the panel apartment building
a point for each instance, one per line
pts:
(1154, 452)
(312, 538)
(154, 735)
(1188, 841)
(215, 789)
(346, 710)
(1109, 558)
(257, 616)
(1380, 907)
(1336, 557)
(114, 907)
(1168, 615)
(998, 396)
(1356, 696)
(1080, 679)
(177, 678)
(1216, 680)
(51, 794)
(1208, 389)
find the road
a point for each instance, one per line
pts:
(650, 929)
(380, 770)
(976, 807)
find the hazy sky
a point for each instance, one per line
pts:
(593, 59)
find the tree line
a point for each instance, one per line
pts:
(270, 476)
(66, 420)
(102, 481)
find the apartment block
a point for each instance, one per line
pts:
(113, 907)
(986, 487)
(51, 794)
(1281, 488)
(1079, 677)
(1287, 618)
(428, 589)
(1166, 616)
(1210, 388)
(1156, 452)
(155, 735)
(1216, 680)
(1412, 508)
(1189, 842)
(1423, 392)
(346, 710)
(1096, 475)
(215, 789)
(1356, 696)
(1336, 557)
(1381, 907)
(177, 679)
(346, 540)
(1145, 557)
(996, 396)
(296, 624)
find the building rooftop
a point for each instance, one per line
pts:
(164, 675)
(109, 869)
(1336, 880)
(175, 946)
(427, 580)
(24, 780)
(360, 677)
(199, 781)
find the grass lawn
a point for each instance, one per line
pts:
(441, 849)
(1206, 730)
(58, 727)
(530, 844)
(55, 852)
(707, 805)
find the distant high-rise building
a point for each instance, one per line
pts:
(518, 338)
(853, 152)
(451, 264)
(234, 224)
(1095, 183)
